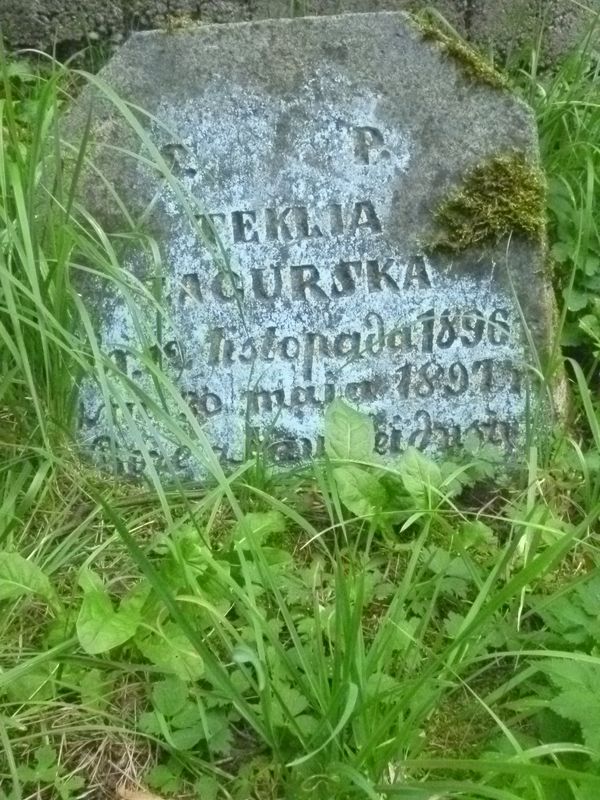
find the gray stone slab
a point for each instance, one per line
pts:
(313, 154)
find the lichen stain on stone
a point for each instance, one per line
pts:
(504, 195)
(474, 65)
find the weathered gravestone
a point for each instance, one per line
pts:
(317, 152)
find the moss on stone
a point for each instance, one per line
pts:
(181, 20)
(473, 64)
(501, 196)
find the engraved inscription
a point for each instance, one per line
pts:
(286, 224)
(294, 282)
(303, 282)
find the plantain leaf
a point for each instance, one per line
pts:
(20, 577)
(348, 433)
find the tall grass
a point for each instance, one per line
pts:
(37, 244)
(567, 105)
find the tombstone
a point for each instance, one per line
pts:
(301, 254)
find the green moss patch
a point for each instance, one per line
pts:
(502, 196)
(473, 64)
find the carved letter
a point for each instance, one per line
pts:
(209, 226)
(347, 344)
(176, 155)
(190, 288)
(361, 392)
(276, 225)
(216, 341)
(420, 437)
(382, 443)
(227, 286)
(374, 342)
(364, 216)
(301, 395)
(242, 224)
(301, 282)
(335, 218)
(416, 274)
(268, 343)
(263, 400)
(401, 339)
(248, 352)
(377, 276)
(366, 139)
(314, 341)
(291, 223)
(289, 348)
(258, 284)
(343, 280)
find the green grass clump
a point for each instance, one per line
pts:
(504, 195)
(422, 629)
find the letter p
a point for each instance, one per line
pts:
(368, 143)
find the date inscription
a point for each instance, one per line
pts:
(277, 305)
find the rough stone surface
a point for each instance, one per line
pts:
(501, 26)
(314, 153)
